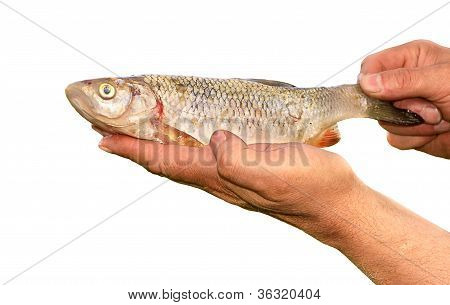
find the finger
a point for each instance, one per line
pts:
(425, 109)
(418, 130)
(439, 147)
(136, 150)
(408, 142)
(409, 55)
(185, 164)
(235, 162)
(189, 165)
(427, 82)
(228, 150)
(389, 59)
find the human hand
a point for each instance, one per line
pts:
(307, 187)
(416, 76)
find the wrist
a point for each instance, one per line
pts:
(349, 218)
(341, 218)
(334, 213)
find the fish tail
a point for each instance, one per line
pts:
(385, 111)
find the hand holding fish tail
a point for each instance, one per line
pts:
(416, 76)
(309, 188)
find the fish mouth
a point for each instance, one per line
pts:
(77, 99)
(74, 95)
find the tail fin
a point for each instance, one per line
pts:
(385, 111)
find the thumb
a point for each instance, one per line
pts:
(427, 82)
(231, 154)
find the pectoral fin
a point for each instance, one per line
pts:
(328, 137)
(169, 135)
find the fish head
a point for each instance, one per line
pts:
(118, 105)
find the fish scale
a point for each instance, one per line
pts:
(278, 108)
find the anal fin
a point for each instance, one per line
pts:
(328, 137)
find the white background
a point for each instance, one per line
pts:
(56, 184)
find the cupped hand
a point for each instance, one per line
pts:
(415, 76)
(309, 188)
(297, 183)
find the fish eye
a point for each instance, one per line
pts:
(106, 91)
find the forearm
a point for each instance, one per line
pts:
(392, 245)
(387, 242)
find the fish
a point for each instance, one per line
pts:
(187, 110)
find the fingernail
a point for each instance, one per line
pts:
(103, 144)
(431, 114)
(443, 126)
(219, 136)
(371, 82)
(359, 78)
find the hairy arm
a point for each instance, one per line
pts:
(391, 244)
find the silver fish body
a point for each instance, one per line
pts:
(187, 110)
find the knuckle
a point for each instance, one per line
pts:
(392, 140)
(423, 46)
(421, 42)
(427, 50)
(398, 79)
(164, 169)
(152, 162)
(366, 60)
(369, 60)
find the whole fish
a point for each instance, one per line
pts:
(187, 110)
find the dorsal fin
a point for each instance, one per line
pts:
(328, 137)
(274, 83)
